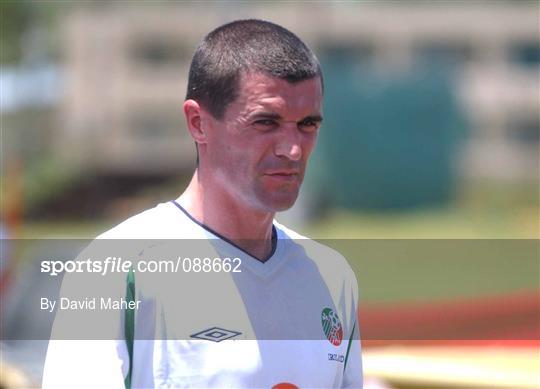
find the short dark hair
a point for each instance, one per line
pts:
(245, 45)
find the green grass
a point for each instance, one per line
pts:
(64, 229)
(441, 254)
(425, 270)
(451, 223)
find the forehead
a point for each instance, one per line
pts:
(258, 91)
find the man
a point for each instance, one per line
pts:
(287, 318)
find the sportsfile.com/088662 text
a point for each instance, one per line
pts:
(117, 265)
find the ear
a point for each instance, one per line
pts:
(194, 113)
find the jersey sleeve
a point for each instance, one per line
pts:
(353, 372)
(87, 348)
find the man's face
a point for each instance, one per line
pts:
(258, 152)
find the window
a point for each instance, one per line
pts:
(525, 129)
(526, 54)
(155, 125)
(443, 53)
(159, 51)
(357, 53)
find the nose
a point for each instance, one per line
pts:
(289, 143)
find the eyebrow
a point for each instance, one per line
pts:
(275, 116)
(266, 115)
(315, 118)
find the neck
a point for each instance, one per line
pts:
(249, 229)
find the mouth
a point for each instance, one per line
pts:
(284, 175)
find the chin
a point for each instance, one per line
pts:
(280, 204)
(275, 201)
(282, 208)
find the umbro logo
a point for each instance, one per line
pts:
(215, 334)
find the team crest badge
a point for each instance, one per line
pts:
(332, 326)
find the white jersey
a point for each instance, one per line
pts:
(290, 320)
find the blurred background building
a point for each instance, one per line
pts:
(125, 74)
(420, 97)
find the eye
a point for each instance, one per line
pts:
(265, 124)
(308, 125)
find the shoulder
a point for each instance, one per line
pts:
(331, 263)
(164, 221)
